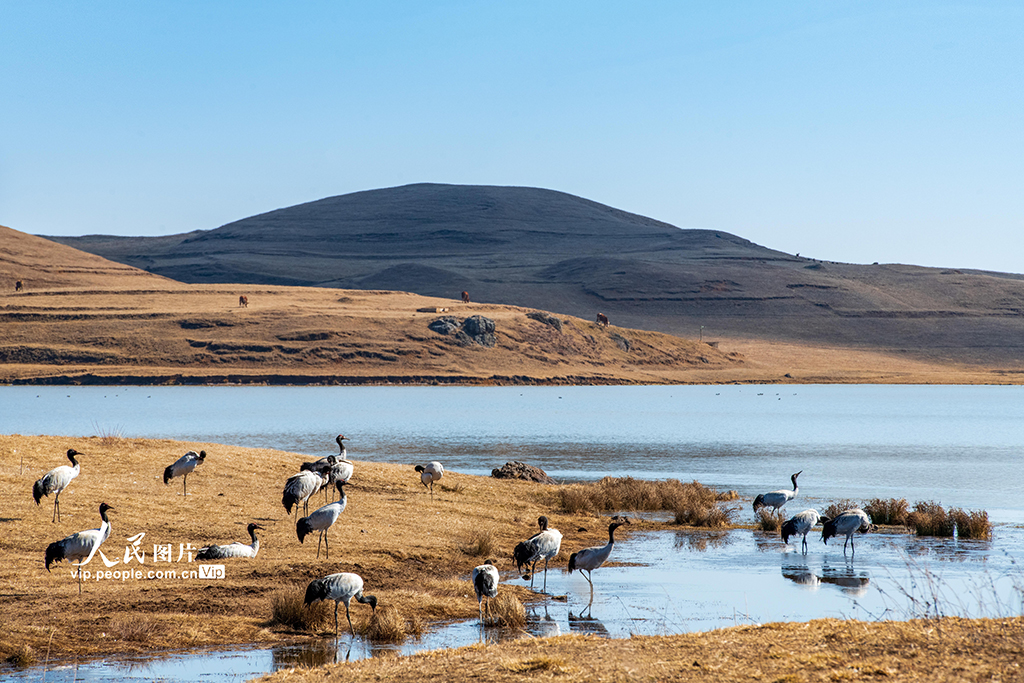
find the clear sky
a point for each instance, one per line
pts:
(848, 131)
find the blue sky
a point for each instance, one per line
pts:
(848, 131)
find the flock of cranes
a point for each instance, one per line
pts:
(335, 471)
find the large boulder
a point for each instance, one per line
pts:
(475, 329)
(520, 470)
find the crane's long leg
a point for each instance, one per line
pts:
(184, 485)
(591, 587)
(327, 548)
(350, 628)
(545, 575)
(336, 616)
(319, 541)
(56, 508)
(79, 578)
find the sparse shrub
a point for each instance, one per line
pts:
(479, 543)
(931, 519)
(692, 502)
(890, 511)
(971, 524)
(839, 507)
(287, 609)
(22, 657)
(770, 520)
(454, 487)
(697, 505)
(505, 610)
(135, 628)
(388, 625)
(575, 499)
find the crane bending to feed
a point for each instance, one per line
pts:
(543, 545)
(845, 524)
(589, 559)
(55, 481)
(777, 499)
(80, 546)
(236, 549)
(485, 583)
(340, 588)
(183, 467)
(429, 473)
(800, 523)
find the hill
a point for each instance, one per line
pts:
(553, 251)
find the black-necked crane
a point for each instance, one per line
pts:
(340, 588)
(846, 523)
(299, 488)
(800, 523)
(183, 467)
(543, 545)
(485, 583)
(80, 546)
(589, 559)
(55, 481)
(429, 473)
(322, 519)
(777, 499)
(236, 549)
(335, 467)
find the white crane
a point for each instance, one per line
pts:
(322, 520)
(777, 499)
(236, 549)
(543, 545)
(183, 467)
(340, 588)
(55, 481)
(845, 523)
(80, 546)
(589, 559)
(299, 488)
(800, 523)
(485, 583)
(429, 473)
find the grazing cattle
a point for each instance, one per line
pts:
(19, 285)
(465, 297)
(243, 301)
(602, 320)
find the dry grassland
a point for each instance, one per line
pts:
(413, 553)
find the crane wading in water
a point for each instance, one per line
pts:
(777, 499)
(846, 523)
(340, 588)
(589, 559)
(543, 545)
(800, 523)
(55, 481)
(80, 546)
(485, 583)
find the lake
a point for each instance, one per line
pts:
(955, 445)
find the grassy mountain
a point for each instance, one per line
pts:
(553, 251)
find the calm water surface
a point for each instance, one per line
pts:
(956, 445)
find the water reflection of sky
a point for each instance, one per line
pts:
(677, 581)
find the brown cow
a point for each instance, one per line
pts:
(243, 301)
(18, 286)
(465, 297)
(602, 320)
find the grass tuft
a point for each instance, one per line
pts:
(388, 625)
(693, 503)
(22, 657)
(480, 543)
(535, 664)
(770, 520)
(931, 519)
(838, 507)
(505, 610)
(971, 524)
(135, 629)
(455, 487)
(890, 511)
(287, 609)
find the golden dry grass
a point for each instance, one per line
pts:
(939, 651)
(408, 548)
(889, 511)
(693, 503)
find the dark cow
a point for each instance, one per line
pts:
(18, 286)
(465, 297)
(602, 320)
(243, 301)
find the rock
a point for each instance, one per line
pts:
(546, 318)
(475, 329)
(445, 325)
(520, 470)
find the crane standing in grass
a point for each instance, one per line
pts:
(80, 546)
(236, 549)
(183, 467)
(485, 583)
(845, 524)
(299, 488)
(322, 520)
(55, 481)
(429, 473)
(340, 588)
(589, 559)
(800, 523)
(336, 467)
(543, 545)
(777, 499)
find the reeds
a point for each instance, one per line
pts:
(505, 610)
(135, 628)
(287, 609)
(22, 657)
(770, 520)
(931, 519)
(388, 625)
(838, 507)
(891, 511)
(971, 524)
(480, 542)
(693, 503)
